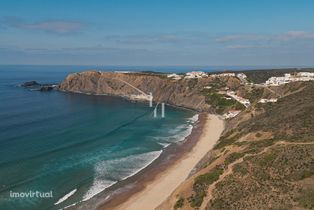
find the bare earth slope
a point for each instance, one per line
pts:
(132, 86)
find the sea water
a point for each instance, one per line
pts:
(73, 145)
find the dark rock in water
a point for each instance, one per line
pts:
(30, 84)
(46, 88)
(33, 85)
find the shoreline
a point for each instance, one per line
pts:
(150, 187)
(123, 189)
(127, 98)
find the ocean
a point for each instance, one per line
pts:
(59, 149)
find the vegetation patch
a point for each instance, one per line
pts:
(179, 204)
(258, 146)
(233, 157)
(201, 184)
(240, 169)
(255, 94)
(223, 142)
(222, 102)
(306, 199)
(267, 159)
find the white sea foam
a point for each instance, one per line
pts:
(164, 144)
(66, 207)
(182, 135)
(121, 169)
(179, 133)
(65, 197)
(178, 129)
(97, 187)
(154, 155)
(193, 119)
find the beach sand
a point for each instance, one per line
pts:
(164, 183)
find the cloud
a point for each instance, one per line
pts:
(287, 36)
(144, 39)
(51, 26)
(162, 38)
(297, 35)
(240, 37)
(236, 47)
(102, 49)
(243, 47)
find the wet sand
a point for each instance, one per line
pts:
(151, 187)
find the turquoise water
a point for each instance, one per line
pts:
(73, 145)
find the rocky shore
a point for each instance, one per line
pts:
(34, 85)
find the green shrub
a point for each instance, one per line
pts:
(303, 174)
(201, 184)
(233, 157)
(267, 159)
(220, 103)
(223, 142)
(306, 199)
(238, 168)
(258, 146)
(179, 203)
(218, 204)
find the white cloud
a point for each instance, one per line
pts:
(240, 37)
(287, 36)
(236, 47)
(52, 26)
(145, 38)
(296, 35)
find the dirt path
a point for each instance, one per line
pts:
(229, 169)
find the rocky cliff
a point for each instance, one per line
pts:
(182, 93)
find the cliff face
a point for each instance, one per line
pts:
(183, 93)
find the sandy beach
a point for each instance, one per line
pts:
(158, 189)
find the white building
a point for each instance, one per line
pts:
(264, 100)
(276, 81)
(305, 74)
(122, 72)
(231, 114)
(223, 75)
(287, 78)
(195, 74)
(241, 76)
(241, 100)
(174, 76)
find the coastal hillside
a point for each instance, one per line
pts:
(224, 94)
(260, 76)
(188, 93)
(136, 87)
(264, 159)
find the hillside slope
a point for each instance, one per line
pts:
(130, 85)
(187, 93)
(264, 160)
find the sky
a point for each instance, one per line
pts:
(157, 32)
